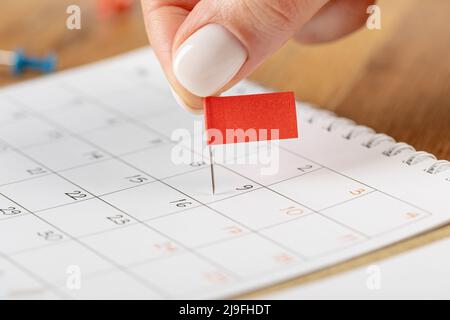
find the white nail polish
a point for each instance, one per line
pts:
(208, 60)
(182, 104)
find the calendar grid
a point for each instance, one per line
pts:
(161, 181)
(118, 266)
(112, 156)
(340, 173)
(102, 256)
(139, 221)
(321, 166)
(117, 208)
(87, 165)
(328, 225)
(155, 131)
(143, 125)
(167, 184)
(315, 211)
(116, 157)
(208, 244)
(380, 234)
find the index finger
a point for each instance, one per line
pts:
(162, 19)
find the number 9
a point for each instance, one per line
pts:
(246, 187)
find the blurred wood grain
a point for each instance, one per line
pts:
(395, 80)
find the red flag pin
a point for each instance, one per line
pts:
(249, 118)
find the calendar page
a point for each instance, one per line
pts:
(97, 199)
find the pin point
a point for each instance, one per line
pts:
(19, 62)
(109, 7)
(213, 179)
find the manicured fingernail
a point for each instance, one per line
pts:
(182, 104)
(208, 60)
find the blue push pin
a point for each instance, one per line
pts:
(20, 62)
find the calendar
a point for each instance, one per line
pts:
(92, 205)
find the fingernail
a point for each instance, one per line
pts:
(182, 104)
(208, 60)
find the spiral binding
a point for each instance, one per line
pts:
(352, 130)
(313, 114)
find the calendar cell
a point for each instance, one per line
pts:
(197, 227)
(313, 235)
(86, 217)
(146, 72)
(250, 255)
(107, 176)
(66, 153)
(250, 153)
(168, 122)
(124, 138)
(30, 132)
(121, 286)
(17, 167)
(83, 116)
(10, 209)
(54, 263)
(150, 201)
(34, 233)
(93, 84)
(197, 184)
(375, 213)
(267, 208)
(36, 96)
(272, 165)
(11, 112)
(142, 244)
(321, 189)
(183, 275)
(165, 161)
(45, 192)
(145, 101)
(194, 141)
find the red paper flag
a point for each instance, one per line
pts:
(249, 118)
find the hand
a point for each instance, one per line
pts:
(207, 46)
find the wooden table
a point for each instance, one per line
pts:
(395, 80)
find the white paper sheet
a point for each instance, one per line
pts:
(416, 274)
(93, 205)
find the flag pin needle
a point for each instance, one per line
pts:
(211, 160)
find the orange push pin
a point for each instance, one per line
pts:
(110, 7)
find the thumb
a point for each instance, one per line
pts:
(221, 42)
